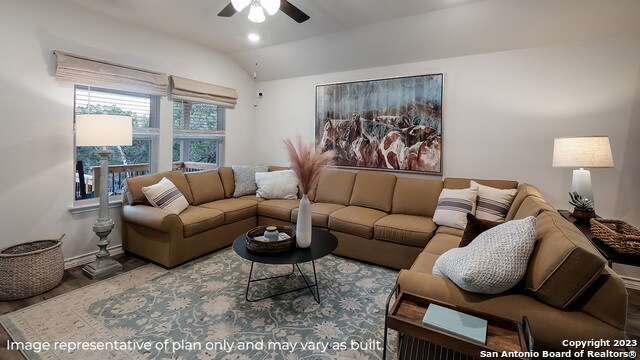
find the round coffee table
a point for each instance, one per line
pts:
(322, 244)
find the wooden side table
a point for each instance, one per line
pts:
(421, 342)
(607, 252)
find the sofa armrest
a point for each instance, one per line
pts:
(149, 216)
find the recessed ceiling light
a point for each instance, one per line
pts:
(253, 37)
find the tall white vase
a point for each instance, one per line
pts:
(303, 225)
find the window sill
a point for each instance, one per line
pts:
(83, 208)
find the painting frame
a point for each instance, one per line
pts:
(385, 124)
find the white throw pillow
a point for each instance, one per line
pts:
(494, 262)
(493, 204)
(277, 185)
(453, 207)
(165, 195)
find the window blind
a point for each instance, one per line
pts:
(201, 92)
(80, 70)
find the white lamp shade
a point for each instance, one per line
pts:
(586, 151)
(103, 130)
(271, 6)
(256, 14)
(240, 4)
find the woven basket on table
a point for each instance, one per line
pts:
(620, 236)
(30, 269)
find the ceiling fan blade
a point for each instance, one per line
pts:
(228, 11)
(293, 12)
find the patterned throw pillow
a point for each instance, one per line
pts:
(245, 178)
(277, 185)
(453, 207)
(494, 262)
(493, 204)
(165, 195)
(474, 228)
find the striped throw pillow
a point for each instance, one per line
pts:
(165, 195)
(453, 207)
(493, 204)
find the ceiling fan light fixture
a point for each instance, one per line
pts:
(240, 4)
(256, 14)
(271, 6)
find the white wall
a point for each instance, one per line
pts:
(36, 180)
(501, 113)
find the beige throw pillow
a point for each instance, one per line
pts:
(493, 204)
(281, 184)
(165, 195)
(453, 207)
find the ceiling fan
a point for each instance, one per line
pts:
(256, 13)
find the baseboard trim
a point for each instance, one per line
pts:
(87, 258)
(631, 283)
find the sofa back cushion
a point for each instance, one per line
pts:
(135, 184)
(524, 190)
(460, 183)
(563, 264)
(206, 186)
(335, 187)
(416, 196)
(228, 181)
(606, 299)
(373, 190)
(532, 206)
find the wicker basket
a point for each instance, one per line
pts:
(30, 269)
(619, 235)
(271, 247)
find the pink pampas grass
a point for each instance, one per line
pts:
(306, 162)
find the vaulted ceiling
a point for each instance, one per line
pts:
(353, 34)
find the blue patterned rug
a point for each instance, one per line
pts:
(198, 311)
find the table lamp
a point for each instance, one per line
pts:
(103, 130)
(582, 152)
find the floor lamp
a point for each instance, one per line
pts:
(103, 130)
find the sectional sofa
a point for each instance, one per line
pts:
(567, 293)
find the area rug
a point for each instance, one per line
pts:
(198, 311)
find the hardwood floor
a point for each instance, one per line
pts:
(74, 279)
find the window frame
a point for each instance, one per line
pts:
(217, 135)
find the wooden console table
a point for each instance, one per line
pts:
(607, 252)
(420, 342)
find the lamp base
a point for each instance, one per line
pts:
(101, 268)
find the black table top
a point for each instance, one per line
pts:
(322, 244)
(605, 250)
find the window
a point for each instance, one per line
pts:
(125, 161)
(198, 134)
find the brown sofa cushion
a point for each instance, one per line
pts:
(136, 183)
(405, 229)
(335, 187)
(196, 219)
(563, 264)
(373, 190)
(425, 263)
(460, 183)
(252, 198)
(524, 191)
(532, 206)
(449, 230)
(474, 228)
(606, 299)
(278, 208)
(442, 242)
(228, 181)
(416, 196)
(234, 209)
(355, 220)
(319, 213)
(205, 186)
